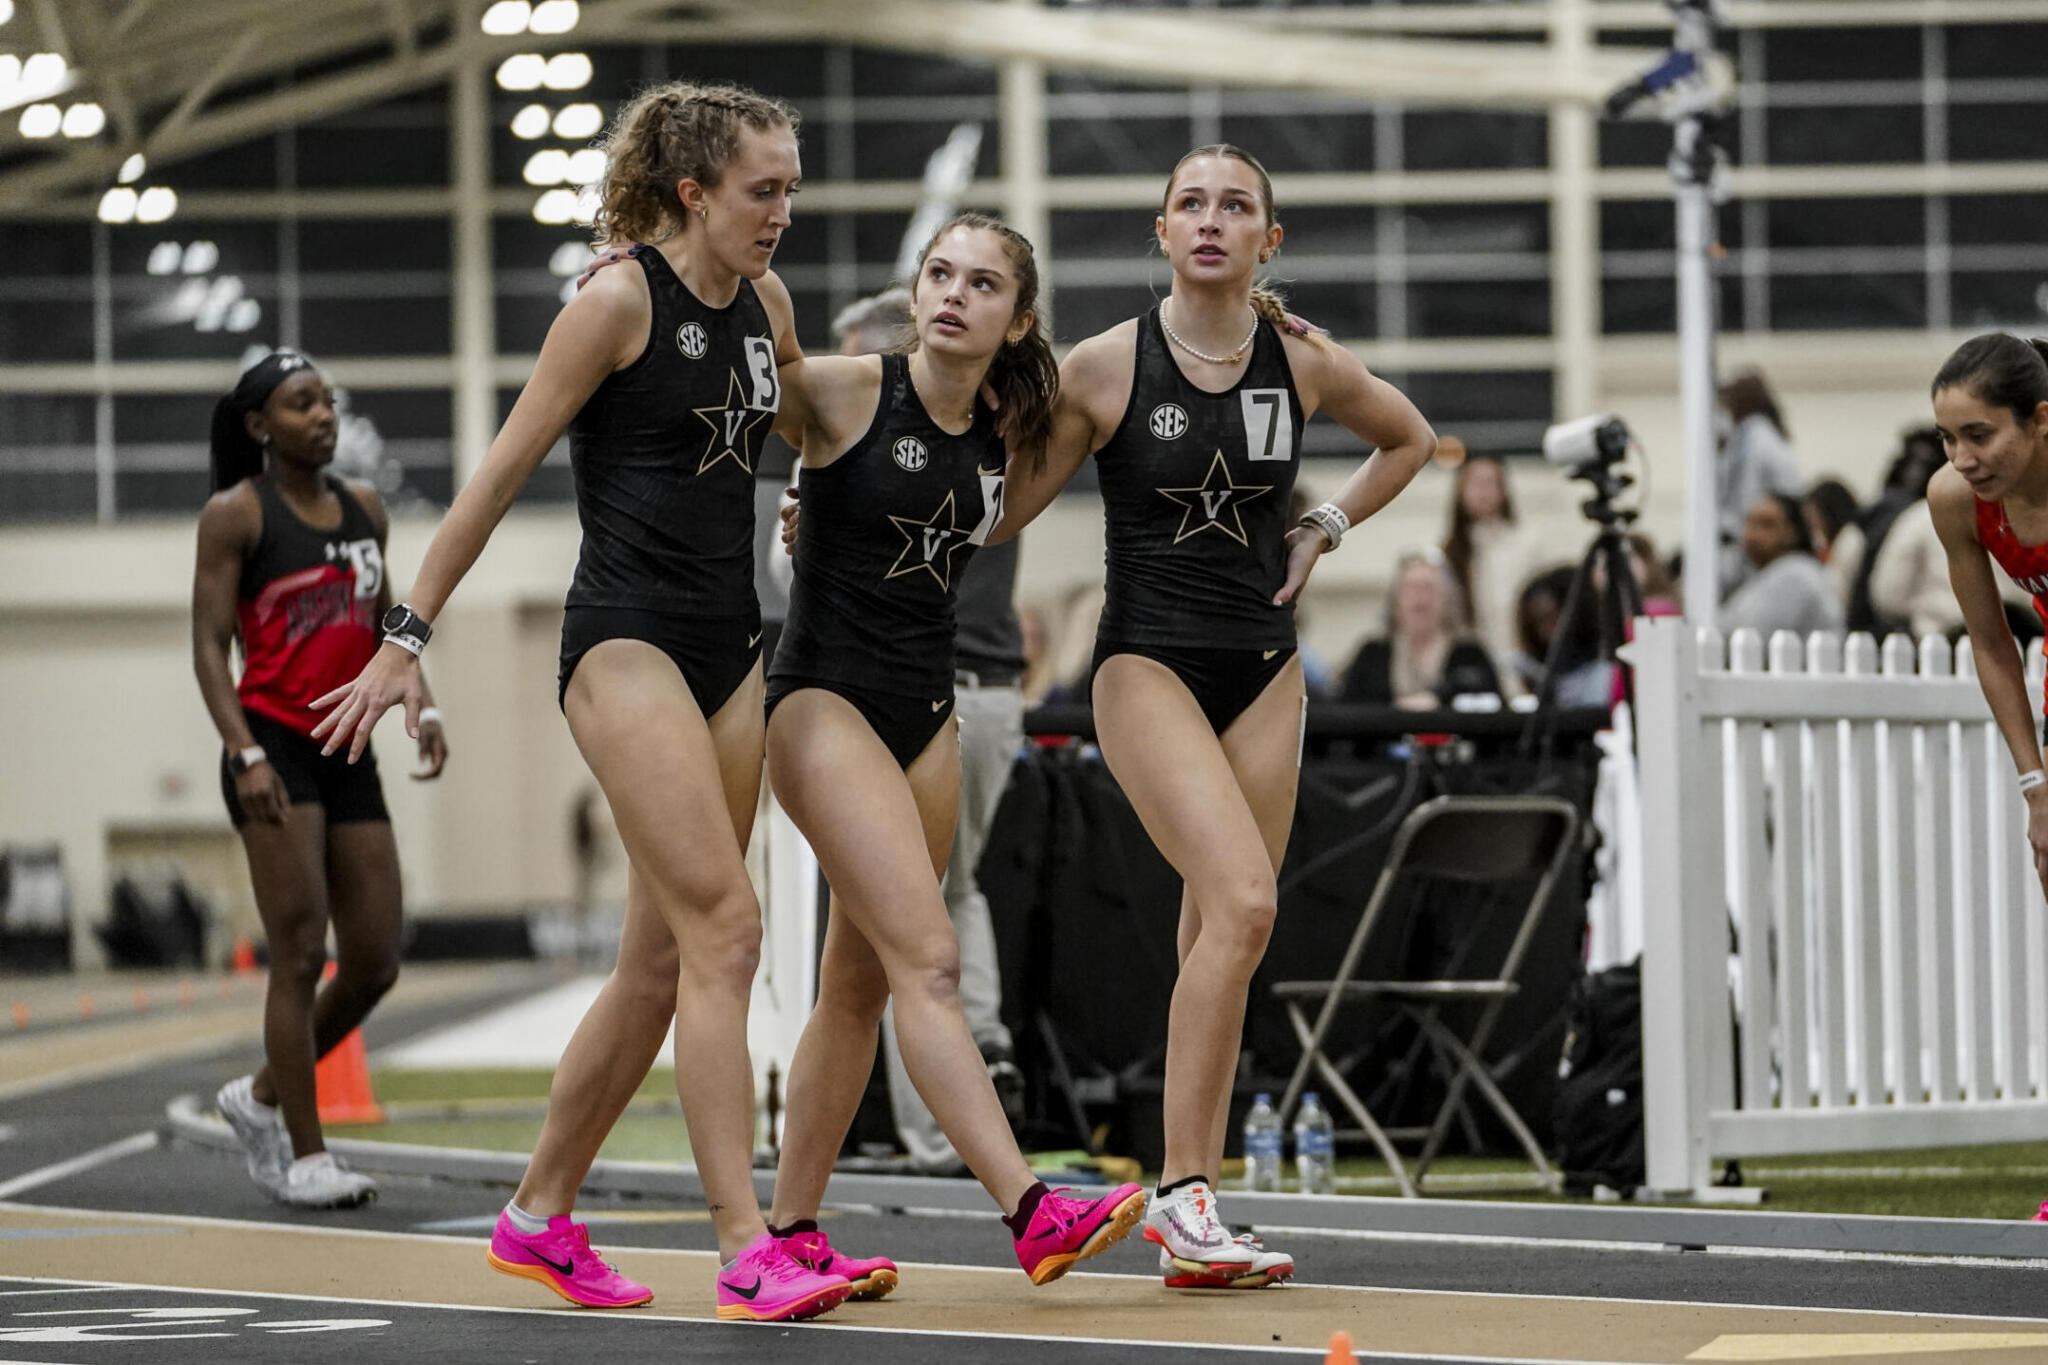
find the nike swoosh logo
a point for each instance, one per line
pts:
(988, 473)
(755, 639)
(567, 1267)
(1271, 652)
(746, 1293)
(937, 704)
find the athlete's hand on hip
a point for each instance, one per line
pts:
(391, 678)
(2037, 831)
(1305, 545)
(260, 789)
(433, 751)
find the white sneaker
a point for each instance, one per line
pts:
(1267, 1268)
(1185, 1226)
(320, 1181)
(260, 1129)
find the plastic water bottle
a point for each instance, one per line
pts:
(1315, 1146)
(1262, 1145)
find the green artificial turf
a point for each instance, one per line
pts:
(501, 1110)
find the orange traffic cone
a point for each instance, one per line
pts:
(1340, 1350)
(342, 1082)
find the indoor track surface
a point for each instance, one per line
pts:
(118, 1243)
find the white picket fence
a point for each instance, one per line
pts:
(1846, 826)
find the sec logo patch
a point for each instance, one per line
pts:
(910, 453)
(1169, 421)
(691, 341)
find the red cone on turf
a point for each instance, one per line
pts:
(1340, 1350)
(244, 958)
(342, 1081)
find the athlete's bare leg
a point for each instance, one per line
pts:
(681, 819)
(882, 836)
(1219, 810)
(288, 869)
(619, 1037)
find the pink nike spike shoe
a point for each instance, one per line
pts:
(1065, 1229)
(561, 1259)
(765, 1283)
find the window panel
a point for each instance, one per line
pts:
(1478, 308)
(1994, 300)
(42, 329)
(902, 73)
(1998, 219)
(1315, 142)
(1994, 50)
(1847, 135)
(402, 142)
(1841, 54)
(1473, 140)
(1848, 302)
(1846, 222)
(1114, 146)
(1997, 132)
(1650, 304)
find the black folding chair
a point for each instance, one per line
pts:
(1476, 844)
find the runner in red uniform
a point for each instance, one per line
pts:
(291, 565)
(1991, 502)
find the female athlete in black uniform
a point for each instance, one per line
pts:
(665, 376)
(1194, 415)
(291, 563)
(901, 479)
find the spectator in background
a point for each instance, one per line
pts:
(1829, 507)
(1583, 677)
(1490, 554)
(1908, 582)
(1659, 593)
(1756, 458)
(1425, 658)
(1857, 548)
(1787, 588)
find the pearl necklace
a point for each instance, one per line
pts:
(1230, 359)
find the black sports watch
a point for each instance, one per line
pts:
(407, 629)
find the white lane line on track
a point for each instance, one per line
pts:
(842, 1328)
(29, 1293)
(98, 1156)
(244, 1223)
(1661, 1249)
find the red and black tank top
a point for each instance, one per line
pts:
(308, 608)
(2026, 565)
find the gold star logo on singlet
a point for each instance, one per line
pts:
(732, 425)
(929, 545)
(1214, 505)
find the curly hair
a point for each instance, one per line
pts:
(671, 133)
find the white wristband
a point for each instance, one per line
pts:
(431, 715)
(411, 644)
(2031, 780)
(1330, 520)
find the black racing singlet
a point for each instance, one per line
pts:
(663, 455)
(887, 529)
(1195, 487)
